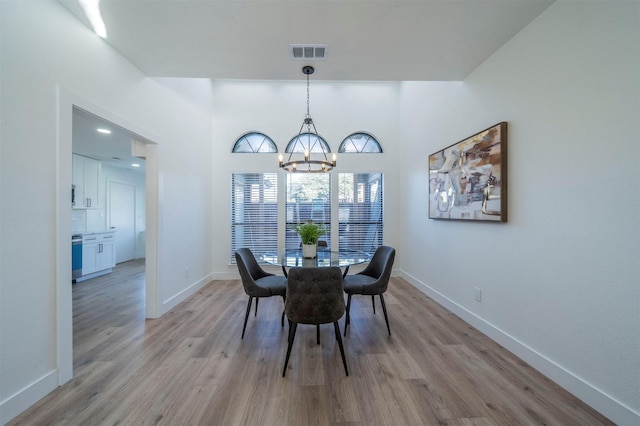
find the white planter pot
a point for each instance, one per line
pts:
(309, 251)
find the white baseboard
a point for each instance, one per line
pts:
(173, 301)
(594, 397)
(223, 276)
(25, 398)
(93, 275)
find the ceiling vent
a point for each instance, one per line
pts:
(308, 51)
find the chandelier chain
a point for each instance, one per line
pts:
(308, 114)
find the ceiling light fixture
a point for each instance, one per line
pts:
(307, 143)
(92, 11)
(105, 131)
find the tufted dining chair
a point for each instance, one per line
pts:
(314, 296)
(257, 282)
(373, 280)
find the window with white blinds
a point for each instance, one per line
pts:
(308, 198)
(360, 211)
(254, 213)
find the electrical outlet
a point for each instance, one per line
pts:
(477, 294)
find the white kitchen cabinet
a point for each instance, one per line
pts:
(106, 253)
(98, 254)
(86, 172)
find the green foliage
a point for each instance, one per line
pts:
(303, 187)
(309, 232)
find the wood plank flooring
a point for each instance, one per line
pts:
(190, 367)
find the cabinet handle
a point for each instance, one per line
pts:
(100, 248)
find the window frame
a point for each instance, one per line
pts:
(370, 138)
(245, 185)
(365, 238)
(309, 209)
(246, 137)
(317, 147)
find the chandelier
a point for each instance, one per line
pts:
(308, 142)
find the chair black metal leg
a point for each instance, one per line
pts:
(373, 303)
(384, 309)
(347, 319)
(317, 334)
(256, 313)
(346, 271)
(292, 335)
(284, 271)
(246, 317)
(339, 338)
(282, 319)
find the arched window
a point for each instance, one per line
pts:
(304, 140)
(254, 142)
(360, 143)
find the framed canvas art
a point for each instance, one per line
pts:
(468, 180)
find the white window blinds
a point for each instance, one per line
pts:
(254, 213)
(360, 211)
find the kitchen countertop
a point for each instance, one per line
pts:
(92, 233)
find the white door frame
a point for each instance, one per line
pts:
(64, 316)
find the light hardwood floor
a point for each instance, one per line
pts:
(191, 367)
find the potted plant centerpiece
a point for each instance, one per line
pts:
(309, 233)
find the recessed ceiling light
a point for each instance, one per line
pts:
(135, 165)
(92, 11)
(105, 131)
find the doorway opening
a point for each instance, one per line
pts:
(141, 145)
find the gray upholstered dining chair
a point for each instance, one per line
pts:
(257, 282)
(373, 280)
(314, 296)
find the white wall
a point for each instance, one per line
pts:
(48, 58)
(278, 109)
(560, 281)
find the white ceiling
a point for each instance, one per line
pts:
(113, 149)
(368, 40)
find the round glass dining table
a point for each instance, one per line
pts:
(293, 258)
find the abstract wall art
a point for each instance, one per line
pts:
(468, 180)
